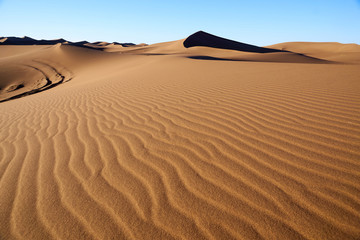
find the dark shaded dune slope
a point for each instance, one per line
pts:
(250, 53)
(204, 39)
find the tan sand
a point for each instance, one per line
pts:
(168, 142)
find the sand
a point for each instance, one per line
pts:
(105, 141)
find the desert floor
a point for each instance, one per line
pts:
(104, 141)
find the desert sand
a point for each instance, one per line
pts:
(200, 138)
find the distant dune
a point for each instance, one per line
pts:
(28, 41)
(199, 138)
(328, 50)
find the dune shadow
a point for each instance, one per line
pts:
(203, 39)
(307, 60)
(213, 58)
(152, 54)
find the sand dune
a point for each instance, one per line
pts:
(155, 142)
(29, 41)
(204, 46)
(104, 46)
(332, 51)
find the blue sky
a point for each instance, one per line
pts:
(259, 22)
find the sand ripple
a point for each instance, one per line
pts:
(154, 152)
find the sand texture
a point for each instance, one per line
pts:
(200, 138)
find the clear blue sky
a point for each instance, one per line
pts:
(260, 22)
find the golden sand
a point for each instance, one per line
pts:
(168, 142)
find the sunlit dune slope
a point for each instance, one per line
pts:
(349, 53)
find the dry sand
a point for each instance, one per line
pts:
(223, 141)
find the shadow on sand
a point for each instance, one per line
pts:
(203, 39)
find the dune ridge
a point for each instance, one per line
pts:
(148, 143)
(28, 41)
